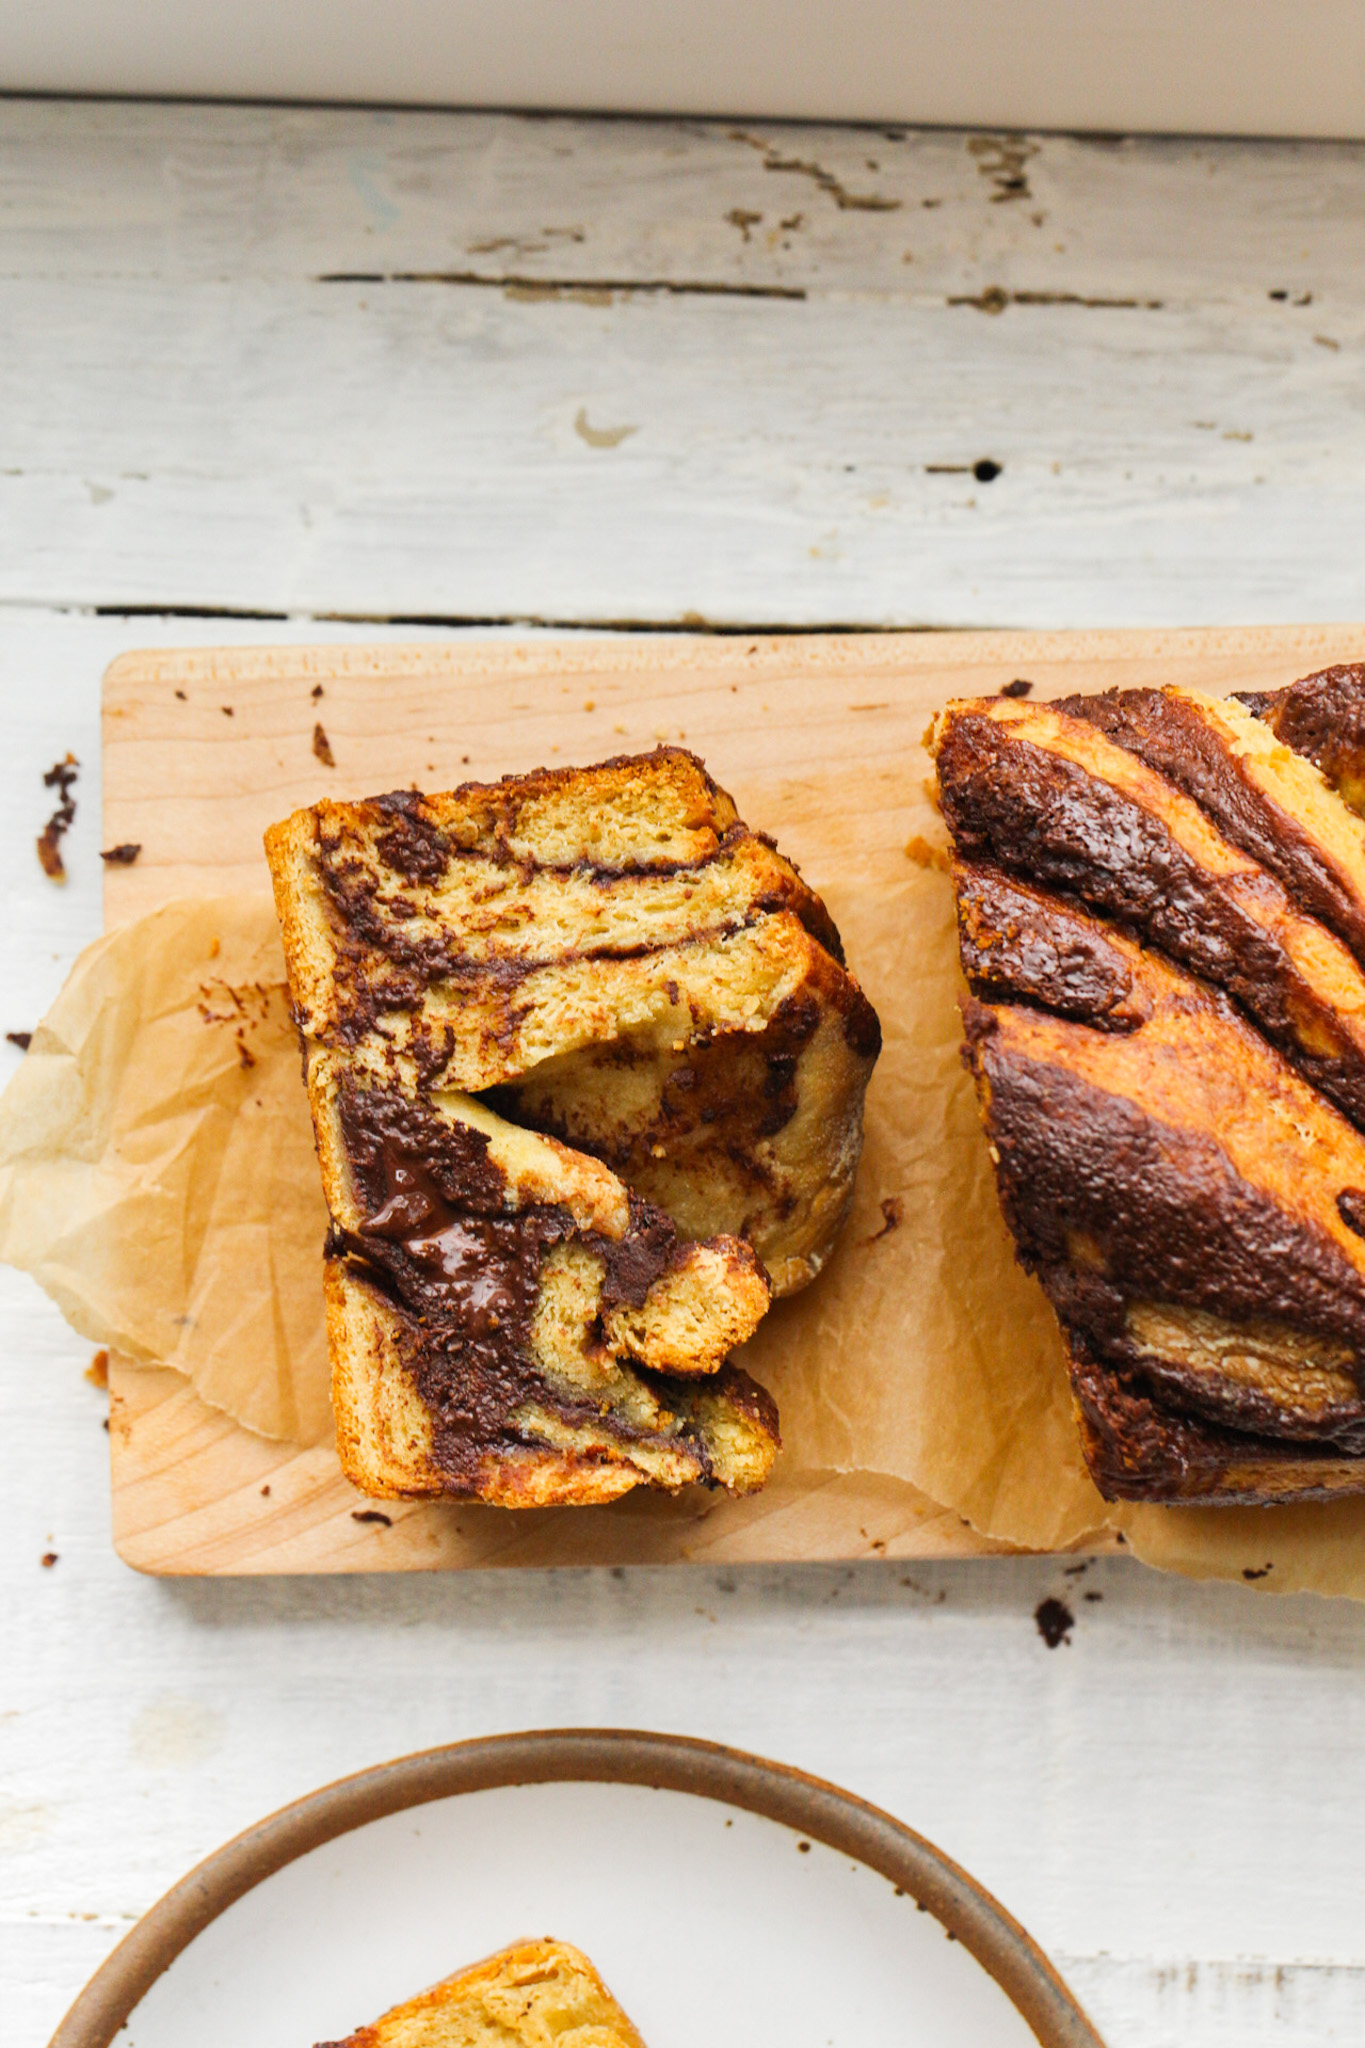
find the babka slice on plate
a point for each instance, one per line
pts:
(1158, 911)
(586, 1072)
(524, 1997)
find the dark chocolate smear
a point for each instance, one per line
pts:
(1019, 945)
(1174, 738)
(1163, 1213)
(1013, 803)
(465, 1273)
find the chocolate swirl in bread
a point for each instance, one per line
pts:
(1161, 916)
(586, 1072)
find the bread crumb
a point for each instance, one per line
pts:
(924, 855)
(97, 1372)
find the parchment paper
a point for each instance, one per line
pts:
(157, 1177)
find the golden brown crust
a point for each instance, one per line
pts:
(1171, 1150)
(517, 936)
(527, 1996)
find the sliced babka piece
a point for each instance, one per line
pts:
(610, 947)
(506, 1321)
(1322, 717)
(587, 1073)
(1192, 1206)
(529, 1996)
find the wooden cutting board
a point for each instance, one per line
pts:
(204, 748)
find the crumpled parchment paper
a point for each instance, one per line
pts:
(157, 1177)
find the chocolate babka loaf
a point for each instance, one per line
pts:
(524, 1997)
(1322, 716)
(1161, 914)
(586, 1073)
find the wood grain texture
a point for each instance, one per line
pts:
(819, 738)
(1173, 1801)
(347, 363)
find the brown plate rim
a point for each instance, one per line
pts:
(673, 1763)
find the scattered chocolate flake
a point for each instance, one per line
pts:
(181, 695)
(371, 1515)
(227, 711)
(1264, 1572)
(1055, 1621)
(926, 856)
(322, 747)
(804, 1848)
(23, 1039)
(265, 1491)
(245, 1055)
(121, 856)
(1020, 687)
(893, 1215)
(61, 776)
(48, 1559)
(97, 1372)
(1093, 1596)
(315, 692)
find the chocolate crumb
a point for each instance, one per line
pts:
(227, 711)
(1092, 1596)
(265, 1491)
(893, 1215)
(1264, 1572)
(1055, 1621)
(315, 692)
(322, 747)
(1020, 687)
(121, 856)
(804, 1847)
(48, 1559)
(372, 1515)
(23, 1039)
(97, 1372)
(61, 776)
(181, 695)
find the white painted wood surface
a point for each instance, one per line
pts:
(1174, 1802)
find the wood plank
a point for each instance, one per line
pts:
(1150, 65)
(197, 1496)
(203, 748)
(496, 419)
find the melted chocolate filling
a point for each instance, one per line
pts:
(1032, 812)
(464, 1273)
(1174, 738)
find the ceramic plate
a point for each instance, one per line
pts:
(724, 1899)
